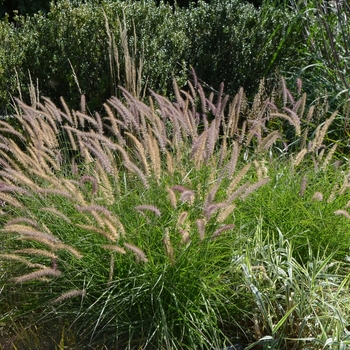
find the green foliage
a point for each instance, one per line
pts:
(226, 41)
(238, 44)
(128, 241)
(323, 62)
(174, 227)
(288, 202)
(159, 303)
(71, 45)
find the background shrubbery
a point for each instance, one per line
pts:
(235, 43)
(76, 37)
(230, 41)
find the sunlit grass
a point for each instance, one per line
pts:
(173, 225)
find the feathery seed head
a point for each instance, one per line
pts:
(318, 196)
(168, 247)
(201, 228)
(92, 180)
(68, 295)
(114, 248)
(172, 197)
(343, 213)
(37, 275)
(152, 208)
(139, 254)
(218, 232)
(187, 196)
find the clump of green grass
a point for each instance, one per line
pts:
(133, 239)
(299, 305)
(129, 238)
(309, 206)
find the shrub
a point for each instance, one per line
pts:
(22, 7)
(81, 45)
(235, 43)
(90, 46)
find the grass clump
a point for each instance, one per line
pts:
(308, 206)
(126, 227)
(127, 238)
(299, 305)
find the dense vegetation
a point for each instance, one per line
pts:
(225, 41)
(196, 215)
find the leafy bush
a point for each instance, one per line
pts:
(235, 43)
(89, 47)
(82, 46)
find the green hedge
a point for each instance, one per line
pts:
(228, 41)
(77, 35)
